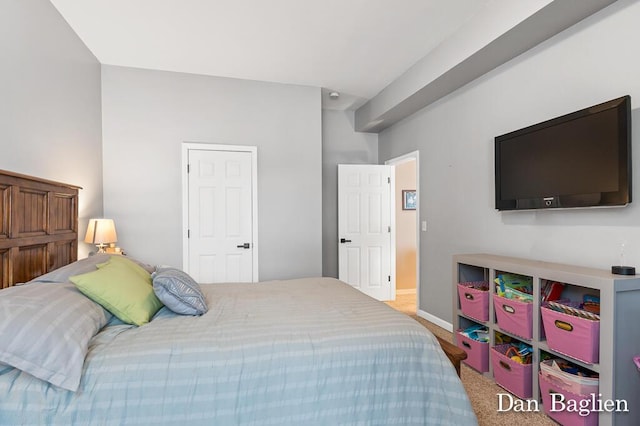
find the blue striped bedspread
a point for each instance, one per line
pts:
(298, 352)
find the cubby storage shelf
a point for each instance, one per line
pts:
(619, 337)
(472, 319)
(542, 345)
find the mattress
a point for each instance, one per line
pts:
(309, 351)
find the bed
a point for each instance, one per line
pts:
(305, 351)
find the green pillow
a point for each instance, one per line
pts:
(129, 263)
(121, 290)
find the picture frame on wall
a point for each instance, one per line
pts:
(409, 200)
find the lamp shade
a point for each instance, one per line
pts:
(101, 231)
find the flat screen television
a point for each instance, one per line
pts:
(582, 159)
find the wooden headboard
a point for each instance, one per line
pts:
(38, 226)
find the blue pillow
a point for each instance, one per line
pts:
(179, 292)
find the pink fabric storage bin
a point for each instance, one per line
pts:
(514, 316)
(477, 352)
(473, 301)
(565, 418)
(511, 375)
(573, 336)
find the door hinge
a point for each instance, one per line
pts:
(389, 179)
(389, 278)
(388, 229)
(188, 168)
(188, 233)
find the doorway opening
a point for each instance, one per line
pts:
(407, 235)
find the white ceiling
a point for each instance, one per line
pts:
(355, 47)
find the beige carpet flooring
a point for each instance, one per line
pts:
(482, 391)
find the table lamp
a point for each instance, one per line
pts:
(101, 232)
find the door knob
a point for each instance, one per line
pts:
(244, 246)
(342, 241)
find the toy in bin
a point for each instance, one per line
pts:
(512, 286)
(476, 332)
(588, 309)
(520, 353)
(517, 351)
(551, 290)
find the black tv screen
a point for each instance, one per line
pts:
(582, 159)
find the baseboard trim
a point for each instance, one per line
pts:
(406, 291)
(437, 321)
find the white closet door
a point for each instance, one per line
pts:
(220, 240)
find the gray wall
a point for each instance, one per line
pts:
(340, 145)
(148, 114)
(50, 112)
(587, 64)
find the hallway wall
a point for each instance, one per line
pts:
(405, 229)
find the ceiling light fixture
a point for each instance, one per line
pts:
(334, 95)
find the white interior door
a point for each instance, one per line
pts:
(365, 211)
(221, 234)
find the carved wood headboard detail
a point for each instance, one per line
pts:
(38, 226)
